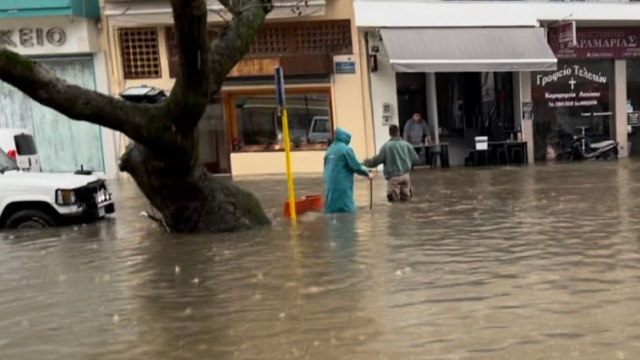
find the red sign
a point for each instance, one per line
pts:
(567, 33)
(597, 43)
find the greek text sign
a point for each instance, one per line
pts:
(345, 67)
(597, 43)
(567, 33)
(52, 35)
(30, 37)
(572, 85)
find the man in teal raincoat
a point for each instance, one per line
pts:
(340, 164)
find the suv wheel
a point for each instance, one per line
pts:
(30, 219)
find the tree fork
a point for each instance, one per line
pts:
(163, 159)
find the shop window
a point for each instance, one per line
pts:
(633, 106)
(140, 56)
(332, 37)
(633, 85)
(257, 125)
(574, 99)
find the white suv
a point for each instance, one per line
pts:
(39, 200)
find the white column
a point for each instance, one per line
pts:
(619, 121)
(432, 106)
(527, 125)
(517, 105)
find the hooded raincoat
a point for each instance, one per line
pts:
(340, 164)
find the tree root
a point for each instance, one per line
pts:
(195, 201)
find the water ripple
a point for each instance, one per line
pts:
(532, 263)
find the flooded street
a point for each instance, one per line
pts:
(508, 263)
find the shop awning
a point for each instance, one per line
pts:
(38, 8)
(468, 49)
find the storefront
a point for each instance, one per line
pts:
(464, 81)
(241, 132)
(577, 97)
(461, 63)
(593, 91)
(62, 36)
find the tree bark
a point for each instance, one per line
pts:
(164, 159)
(197, 202)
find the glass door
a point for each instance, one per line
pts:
(214, 149)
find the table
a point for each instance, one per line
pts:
(444, 153)
(507, 145)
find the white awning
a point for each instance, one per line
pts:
(468, 49)
(150, 13)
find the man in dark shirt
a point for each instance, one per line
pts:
(398, 157)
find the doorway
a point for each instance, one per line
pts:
(214, 148)
(469, 104)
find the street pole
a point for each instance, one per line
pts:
(287, 143)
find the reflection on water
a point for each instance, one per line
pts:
(538, 263)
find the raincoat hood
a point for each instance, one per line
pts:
(342, 136)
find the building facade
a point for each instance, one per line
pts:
(316, 44)
(504, 69)
(63, 35)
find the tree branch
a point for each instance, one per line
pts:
(235, 39)
(71, 100)
(189, 96)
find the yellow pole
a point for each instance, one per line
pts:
(287, 151)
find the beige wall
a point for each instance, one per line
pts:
(302, 162)
(350, 99)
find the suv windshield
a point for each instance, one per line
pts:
(6, 163)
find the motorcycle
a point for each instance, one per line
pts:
(583, 149)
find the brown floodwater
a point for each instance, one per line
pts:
(484, 264)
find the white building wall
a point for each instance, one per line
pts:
(383, 90)
(426, 13)
(109, 137)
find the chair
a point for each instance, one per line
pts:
(501, 153)
(434, 153)
(517, 150)
(477, 155)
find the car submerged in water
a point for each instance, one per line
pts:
(35, 200)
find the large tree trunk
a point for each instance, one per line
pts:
(164, 160)
(192, 200)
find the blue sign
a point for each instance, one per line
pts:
(345, 67)
(279, 79)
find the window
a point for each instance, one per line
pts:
(633, 105)
(25, 146)
(140, 57)
(257, 125)
(574, 99)
(6, 162)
